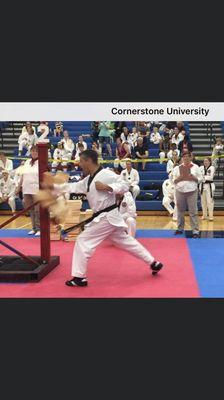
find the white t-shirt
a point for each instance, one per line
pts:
(30, 177)
(187, 186)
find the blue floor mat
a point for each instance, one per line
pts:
(16, 233)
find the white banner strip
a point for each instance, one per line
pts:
(55, 111)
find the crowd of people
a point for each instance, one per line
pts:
(171, 139)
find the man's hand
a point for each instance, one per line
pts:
(192, 178)
(179, 179)
(102, 186)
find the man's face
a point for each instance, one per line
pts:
(186, 159)
(85, 165)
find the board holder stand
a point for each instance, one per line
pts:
(24, 268)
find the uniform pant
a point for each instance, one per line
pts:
(167, 204)
(94, 234)
(11, 203)
(23, 144)
(184, 201)
(207, 203)
(28, 199)
(135, 190)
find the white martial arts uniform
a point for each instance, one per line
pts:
(84, 145)
(170, 153)
(7, 189)
(131, 138)
(8, 166)
(108, 225)
(128, 211)
(132, 180)
(207, 189)
(169, 197)
(27, 141)
(217, 150)
(60, 157)
(155, 137)
(68, 147)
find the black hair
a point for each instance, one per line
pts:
(90, 154)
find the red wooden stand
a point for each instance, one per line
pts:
(23, 268)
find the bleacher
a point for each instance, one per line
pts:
(154, 174)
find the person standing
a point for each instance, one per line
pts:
(29, 185)
(207, 189)
(186, 178)
(131, 176)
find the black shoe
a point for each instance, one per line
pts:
(156, 266)
(177, 232)
(77, 282)
(195, 235)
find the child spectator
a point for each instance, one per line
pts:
(58, 129)
(27, 140)
(68, 145)
(81, 140)
(130, 137)
(7, 190)
(172, 162)
(155, 136)
(5, 163)
(173, 147)
(217, 150)
(207, 189)
(59, 157)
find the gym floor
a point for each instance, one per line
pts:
(192, 267)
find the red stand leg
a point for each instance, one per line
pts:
(44, 214)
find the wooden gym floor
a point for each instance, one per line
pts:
(143, 222)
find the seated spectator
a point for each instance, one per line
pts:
(124, 135)
(60, 158)
(27, 127)
(217, 150)
(105, 136)
(68, 145)
(5, 163)
(141, 151)
(7, 190)
(81, 140)
(97, 148)
(118, 127)
(27, 140)
(175, 136)
(123, 152)
(173, 147)
(128, 210)
(172, 162)
(185, 146)
(95, 130)
(58, 129)
(155, 136)
(164, 146)
(130, 137)
(80, 148)
(131, 176)
(43, 130)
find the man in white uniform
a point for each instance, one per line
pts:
(7, 190)
(27, 140)
(128, 211)
(169, 197)
(5, 163)
(101, 187)
(131, 177)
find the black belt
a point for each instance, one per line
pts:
(88, 220)
(210, 187)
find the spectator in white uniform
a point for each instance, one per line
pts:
(30, 185)
(128, 211)
(60, 157)
(131, 176)
(217, 150)
(155, 136)
(169, 198)
(69, 145)
(81, 140)
(172, 162)
(27, 127)
(79, 151)
(101, 187)
(7, 190)
(5, 163)
(173, 147)
(27, 140)
(207, 189)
